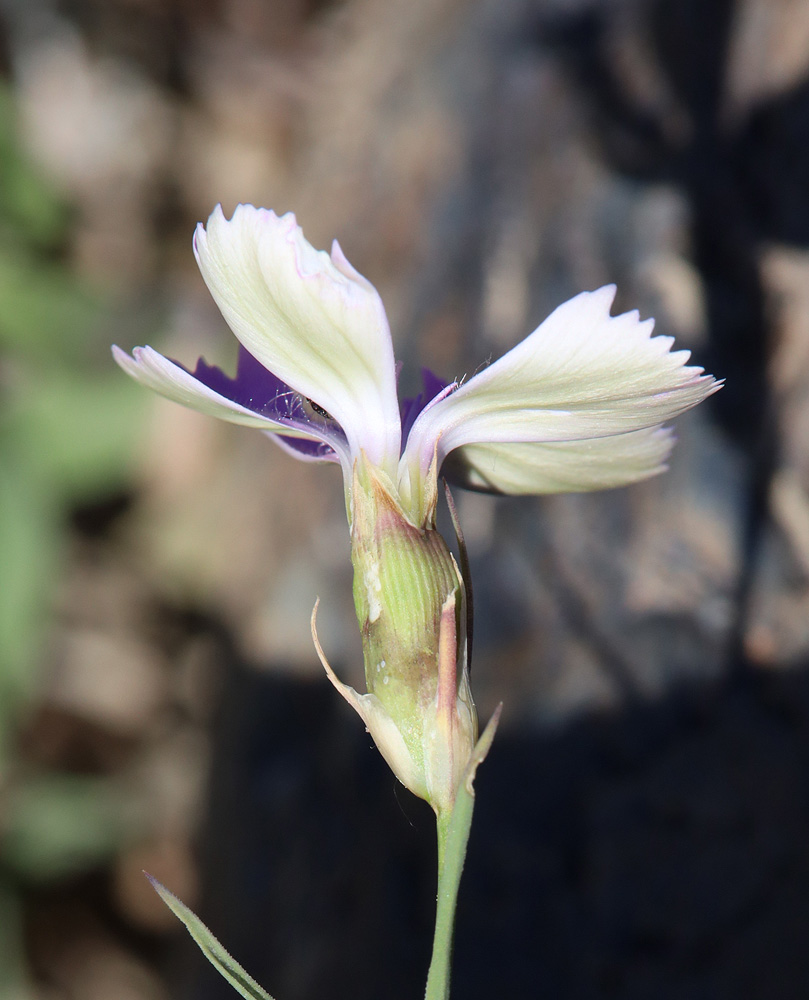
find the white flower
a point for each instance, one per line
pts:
(578, 405)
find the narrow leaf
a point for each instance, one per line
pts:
(227, 966)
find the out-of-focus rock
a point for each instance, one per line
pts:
(777, 632)
(170, 860)
(102, 132)
(107, 680)
(769, 52)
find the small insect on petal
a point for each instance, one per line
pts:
(319, 409)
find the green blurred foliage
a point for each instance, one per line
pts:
(12, 967)
(67, 425)
(59, 825)
(67, 418)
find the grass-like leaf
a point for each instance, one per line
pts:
(227, 966)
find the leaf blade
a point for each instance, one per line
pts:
(220, 959)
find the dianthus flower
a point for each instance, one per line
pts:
(578, 405)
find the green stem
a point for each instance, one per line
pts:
(453, 836)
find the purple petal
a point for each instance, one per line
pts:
(254, 387)
(311, 451)
(412, 406)
(257, 389)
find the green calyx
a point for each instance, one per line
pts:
(410, 602)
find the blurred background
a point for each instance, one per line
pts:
(643, 820)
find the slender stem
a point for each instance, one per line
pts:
(453, 836)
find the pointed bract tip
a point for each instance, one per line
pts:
(482, 748)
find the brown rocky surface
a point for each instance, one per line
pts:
(643, 818)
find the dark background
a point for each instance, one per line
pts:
(642, 828)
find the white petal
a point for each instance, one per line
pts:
(174, 382)
(562, 466)
(581, 374)
(309, 318)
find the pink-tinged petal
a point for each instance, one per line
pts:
(581, 374)
(561, 466)
(308, 317)
(174, 382)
